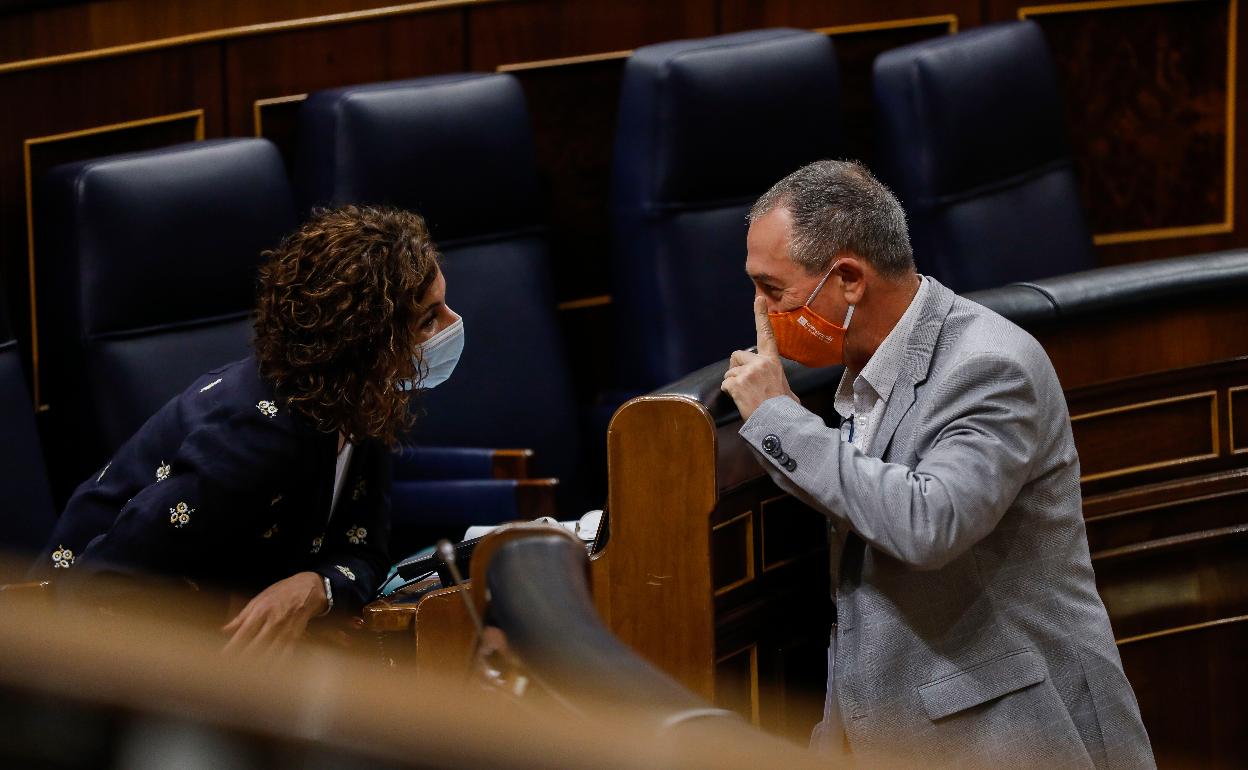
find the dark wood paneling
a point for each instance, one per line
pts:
(324, 57)
(1180, 517)
(1124, 440)
(732, 552)
(39, 32)
(1174, 582)
(790, 530)
(736, 682)
(1238, 398)
(855, 54)
(573, 109)
(84, 96)
(529, 30)
(1156, 428)
(1190, 687)
(1146, 104)
(1148, 338)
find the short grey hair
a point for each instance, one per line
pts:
(838, 206)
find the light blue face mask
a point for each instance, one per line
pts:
(439, 354)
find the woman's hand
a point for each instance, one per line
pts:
(276, 617)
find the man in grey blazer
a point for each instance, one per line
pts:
(970, 631)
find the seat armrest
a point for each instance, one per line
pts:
(703, 386)
(437, 463)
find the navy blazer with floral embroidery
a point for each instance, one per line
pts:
(227, 486)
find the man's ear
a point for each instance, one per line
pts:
(852, 271)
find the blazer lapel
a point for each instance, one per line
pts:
(918, 361)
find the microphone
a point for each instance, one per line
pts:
(446, 552)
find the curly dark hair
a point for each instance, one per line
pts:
(337, 315)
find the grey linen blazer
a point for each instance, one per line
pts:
(970, 631)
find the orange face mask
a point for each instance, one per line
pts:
(808, 338)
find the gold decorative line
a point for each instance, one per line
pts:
(754, 685)
(258, 105)
(1227, 225)
(1212, 395)
(1183, 629)
(579, 304)
(564, 61)
(1096, 5)
(1230, 417)
(950, 20)
(30, 215)
(248, 30)
(749, 550)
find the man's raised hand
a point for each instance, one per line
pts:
(752, 378)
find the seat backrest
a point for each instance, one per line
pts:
(25, 499)
(458, 149)
(705, 127)
(971, 138)
(151, 271)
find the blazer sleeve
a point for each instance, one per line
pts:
(355, 554)
(174, 523)
(988, 422)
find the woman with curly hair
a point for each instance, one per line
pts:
(269, 475)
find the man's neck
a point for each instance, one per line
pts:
(879, 311)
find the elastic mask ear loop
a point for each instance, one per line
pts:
(822, 281)
(848, 316)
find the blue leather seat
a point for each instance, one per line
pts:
(705, 127)
(971, 138)
(25, 498)
(458, 149)
(147, 279)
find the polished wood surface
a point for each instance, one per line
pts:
(662, 491)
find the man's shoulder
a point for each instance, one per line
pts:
(972, 330)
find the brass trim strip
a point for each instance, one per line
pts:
(584, 302)
(30, 216)
(749, 551)
(1162, 506)
(1212, 395)
(258, 105)
(1096, 5)
(1227, 225)
(1182, 629)
(948, 19)
(1230, 417)
(247, 30)
(564, 61)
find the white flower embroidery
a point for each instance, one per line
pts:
(357, 535)
(275, 500)
(267, 408)
(350, 575)
(62, 558)
(316, 544)
(361, 489)
(270, 532)
(180, 515)
(211, 385)
(163, 471)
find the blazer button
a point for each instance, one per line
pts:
(771, 444)
(782, 458)
(790, 465)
